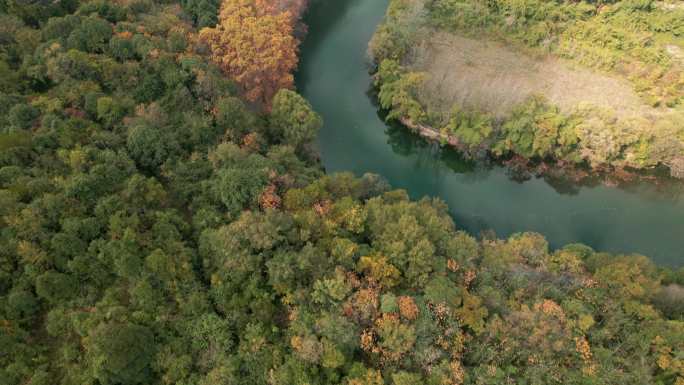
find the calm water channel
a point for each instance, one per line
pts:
(333, 76)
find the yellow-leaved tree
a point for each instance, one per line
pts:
(254, 44)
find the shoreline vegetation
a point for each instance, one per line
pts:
(503, 80)
(163, 222)
(607, 175)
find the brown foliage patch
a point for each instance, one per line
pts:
(269, 198)
(408, 308)
(254, 44)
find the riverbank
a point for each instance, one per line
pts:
(513, 100)
(525, 168)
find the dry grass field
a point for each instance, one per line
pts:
(489, 76)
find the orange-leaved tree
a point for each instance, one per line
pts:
(253, 43)
(295, 7)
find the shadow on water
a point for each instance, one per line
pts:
(407, 143)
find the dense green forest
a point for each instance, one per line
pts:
(636, 47)
(159, 227)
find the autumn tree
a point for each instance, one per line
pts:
(253, 43)
(295, 7)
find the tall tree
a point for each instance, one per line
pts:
(293, 118)
(254, 44)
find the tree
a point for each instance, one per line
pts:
(34, 12)
(405, 378)
(121, 46)
(233, 117)
(239, 187)
(60, 27)
(149, 146)
(204, 12)
(293, 118)
(108, 10)
(111, 110)
(55, 287)
(395, 339)
(22, 116)
(72, 64)
(91, 36)
(255, 46)
(121, 353)
(379, 271)
(21, 305)
(366, 377)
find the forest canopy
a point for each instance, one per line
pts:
(157, 227)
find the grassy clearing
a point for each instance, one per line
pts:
(488, 76)
(635, 39)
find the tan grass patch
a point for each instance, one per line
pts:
(491, 77)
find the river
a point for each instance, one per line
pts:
(644, 218)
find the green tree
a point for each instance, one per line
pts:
(121, 353)
(122, 48)
(91, 36)
(233, 116)
(239, 188)
(149, 146)
(21, 305)
(293, 120)
(204, 12)
(111, 110)
(22, 116)
(55, 287)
